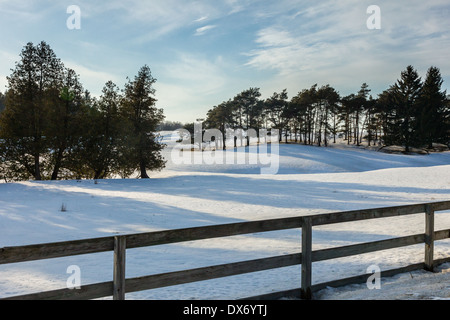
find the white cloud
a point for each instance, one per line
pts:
(235, 6)
(273, 37)
(160, 17)
(201, 19)
(330, 43)
(203, 30)
(295, 43)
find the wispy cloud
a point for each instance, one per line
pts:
(203, 30)
(329, 42)
(269, 44)
(201, 19)
(160, 18)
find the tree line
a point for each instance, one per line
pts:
(52, 128)
(410, 113)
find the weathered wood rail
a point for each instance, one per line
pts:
(119, 286)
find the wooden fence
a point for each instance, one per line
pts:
(119, 244)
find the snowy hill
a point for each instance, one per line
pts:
(310, 180)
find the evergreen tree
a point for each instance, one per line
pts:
(294, 113)
(275, 111)
(348, 104)
(298, 108)
(371, 120)
(221, 117)
(248, 102)
(358, 107)
(64, 121)
(138, 107)
(102, 144)
(313, 115)
(430, 125)
(327, 102)
(386, 107)
(32, 87)
(406, 94)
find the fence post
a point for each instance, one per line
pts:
(429, 237)
(306, 258)
(119, 268)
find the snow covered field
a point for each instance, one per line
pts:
(310, 180)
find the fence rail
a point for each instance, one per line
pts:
(119, 286)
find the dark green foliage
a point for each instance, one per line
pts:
(275, 107)
(409, 113)
(406, 96)
(221, 117)
(51, 128)
(100, 147)
(65, 118)
(247, 102)
(414, 113)
(432, 111)
(32, 91)
(138, 108)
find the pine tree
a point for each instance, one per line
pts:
(32, 87)
(102, 144)
(138, 107)
(359, 105)
(387, 109)
(328, 99)
(347, 108)
(431, 126)
(406, 94)
(371, 120)
(221, 117)
(300, 106)
(274, 109)
(248, 104)
(64, 124)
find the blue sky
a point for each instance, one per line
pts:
(206, 51)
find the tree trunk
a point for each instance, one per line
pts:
(224, 138)
(37, 170)
(57, 165)
(99, 174)
(319, 137)
(144, 174)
